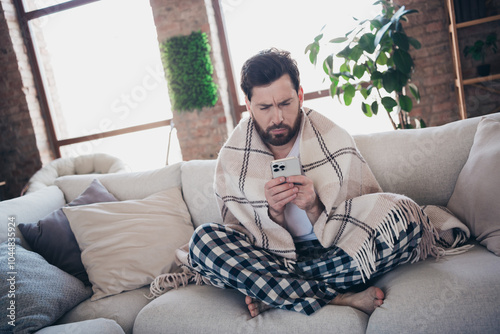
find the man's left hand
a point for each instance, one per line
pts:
(306, 199)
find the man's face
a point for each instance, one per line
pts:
(275, 110)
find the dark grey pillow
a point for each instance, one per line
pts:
(52, 237)
(35, 293)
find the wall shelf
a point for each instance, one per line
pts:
(455, 50)
(481, 79)
(478, 21)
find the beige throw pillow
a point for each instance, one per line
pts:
(125, 245)
(476, 194)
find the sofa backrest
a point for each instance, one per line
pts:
(124, 186)
(422, 164)
(197, 178)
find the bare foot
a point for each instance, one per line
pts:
(255, 307)
(366, 301)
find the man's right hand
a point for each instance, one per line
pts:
(278, 194)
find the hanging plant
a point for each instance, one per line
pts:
(376, 62)
(189, 70)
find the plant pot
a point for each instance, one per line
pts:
(483, 70)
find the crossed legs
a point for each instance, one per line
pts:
(229, 260)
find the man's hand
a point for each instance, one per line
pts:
(278, 194)
(306, 198)
(298, 190)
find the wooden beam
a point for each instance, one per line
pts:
(112, 133)
(228, 68)
(37, 77)
(478, 21)
(34, 14)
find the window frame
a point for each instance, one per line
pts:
(55, 143)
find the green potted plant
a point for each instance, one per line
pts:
(478, 52)
(375, 61)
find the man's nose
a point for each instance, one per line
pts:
(277, 115)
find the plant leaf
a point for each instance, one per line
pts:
(349, 92)
(328, 65)
(382, 58)
(376, 23)
(403, 61)
(406, 103)
(333, 88)
(364, 92)
(414, 91)
(366, 109)
(366, 42)
(389, 103)
(344, 53)
(401, 40)
(358, 70)
(356, 53)
(415, 43)
(402, 12)
(313, 49)
(375, 107)
(380, 34)
(390, 80)
(376, 75)
(338, 40)
(402, 80)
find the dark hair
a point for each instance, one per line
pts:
(266, 67)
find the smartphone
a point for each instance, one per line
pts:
(286, 167)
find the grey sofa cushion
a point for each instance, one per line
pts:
(207, 309)
(457, 294)
(122, 308)
(94, 326)
(36, 293)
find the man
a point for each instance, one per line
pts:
(301, 242)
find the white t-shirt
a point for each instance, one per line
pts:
(296, 220)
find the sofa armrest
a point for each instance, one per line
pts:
(29, 209)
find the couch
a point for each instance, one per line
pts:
(443, 165)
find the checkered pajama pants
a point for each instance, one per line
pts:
(228, 260)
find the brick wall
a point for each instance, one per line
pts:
(200, 133)
(24, 145)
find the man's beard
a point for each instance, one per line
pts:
(280, 139)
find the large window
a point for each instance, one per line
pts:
(104, 83)
(254, 25)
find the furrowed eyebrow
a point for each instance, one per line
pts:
(264, 105)
(286, 101)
